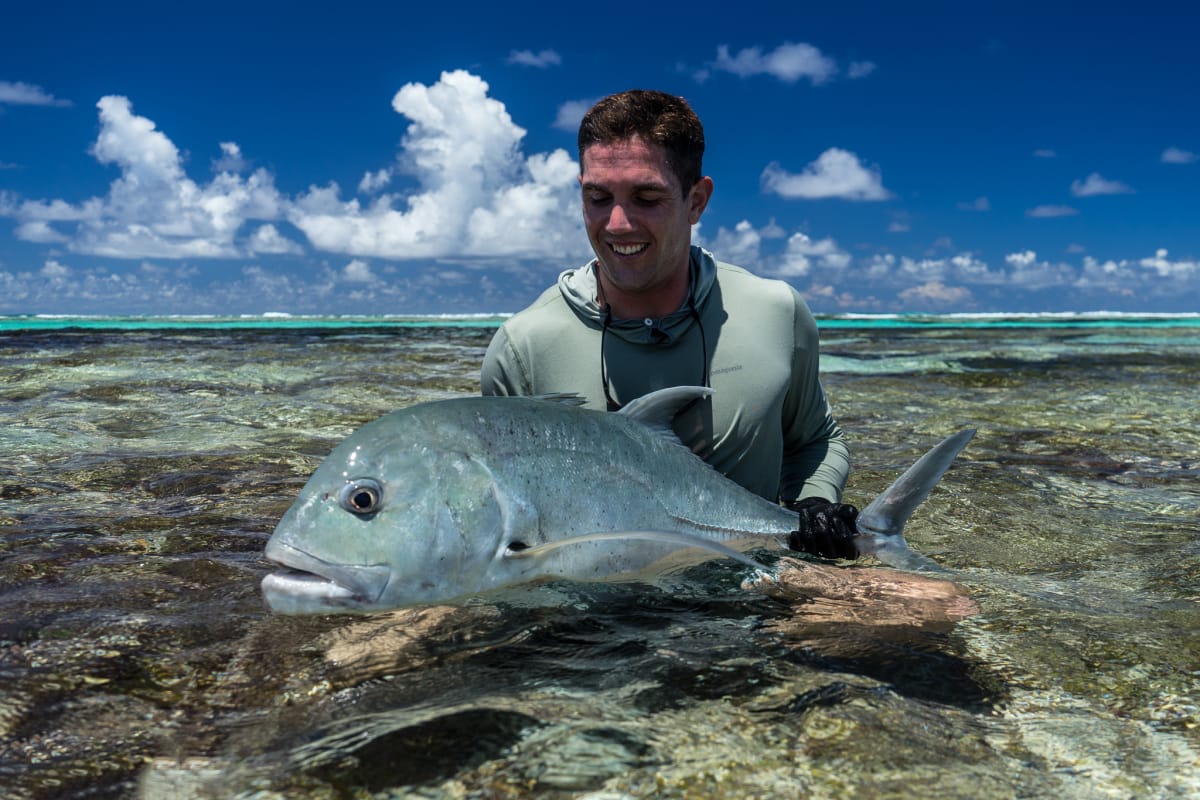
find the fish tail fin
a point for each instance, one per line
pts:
(896, 553)
(881, 524)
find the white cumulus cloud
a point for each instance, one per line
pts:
(738, 246)
(789, 62)
(1028, 273)
(53, 270)
(478, 196)
(937, 295)
(962, 267)
(802, 252)
(570, 114)
(756, 249)
(1021, 260)
(153, 210)
(268, 240)
(357, 271)
(231, 159)
(1166, 268)
(1176, 155)
(860, 69)
(1041, 212)
(540, 60)
(39, 231)
(26, 94)
(373, 182)
(1096, 184)
(1152, 276)
(836, 173)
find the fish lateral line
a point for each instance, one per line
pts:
(674, 538)
(721, 529)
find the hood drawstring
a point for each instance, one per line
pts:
(703, 342)
(613, 405)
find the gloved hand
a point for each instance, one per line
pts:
(825, 529)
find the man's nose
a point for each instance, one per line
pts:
(618, 218)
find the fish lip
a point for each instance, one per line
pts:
(344, 585)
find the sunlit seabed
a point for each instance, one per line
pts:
(143, 469)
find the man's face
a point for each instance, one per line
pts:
(638, 219)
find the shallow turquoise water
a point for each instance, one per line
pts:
(143, 468)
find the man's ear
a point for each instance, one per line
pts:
(698, 198)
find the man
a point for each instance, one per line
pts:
(652, 311)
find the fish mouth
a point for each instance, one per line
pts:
(310, 585)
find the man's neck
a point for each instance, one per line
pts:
(655, 304)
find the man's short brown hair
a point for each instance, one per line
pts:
(655, 117)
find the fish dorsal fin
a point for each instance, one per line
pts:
(657, 409)
(566, 398)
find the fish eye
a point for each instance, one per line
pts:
(515, 549)
(361, 496)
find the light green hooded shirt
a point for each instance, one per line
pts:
(767, 425)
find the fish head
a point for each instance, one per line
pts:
(399, 514)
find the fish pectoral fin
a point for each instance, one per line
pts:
(673, 538)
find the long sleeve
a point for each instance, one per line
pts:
(816, 457)
(501, 372)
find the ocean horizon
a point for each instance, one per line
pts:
(280, 319)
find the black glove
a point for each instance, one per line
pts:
(825, 529)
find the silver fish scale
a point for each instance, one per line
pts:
(633, 478)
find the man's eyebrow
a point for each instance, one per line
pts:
(652, 186)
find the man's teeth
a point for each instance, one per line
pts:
(628, 249)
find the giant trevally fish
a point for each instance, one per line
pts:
(449, 499)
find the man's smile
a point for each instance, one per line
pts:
(628, 249)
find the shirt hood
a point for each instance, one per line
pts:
(578, 288)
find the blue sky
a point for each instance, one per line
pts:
(347, 158)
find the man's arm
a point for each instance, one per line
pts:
(502, 372)
(816, 458)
